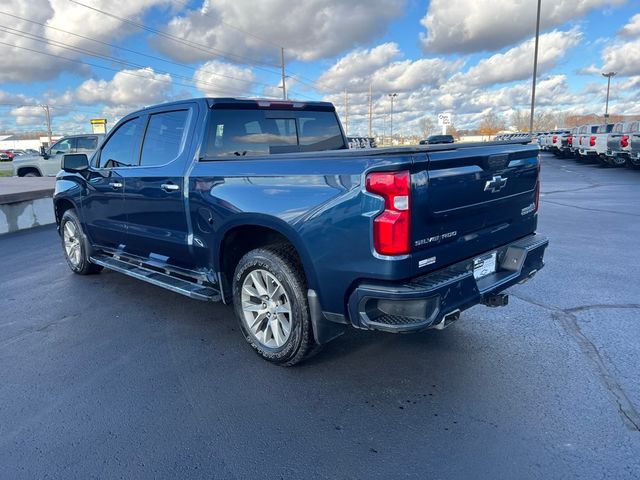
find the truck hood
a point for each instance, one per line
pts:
(26, 159)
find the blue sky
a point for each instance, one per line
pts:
(468, 57)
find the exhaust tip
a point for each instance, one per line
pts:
(447, 320)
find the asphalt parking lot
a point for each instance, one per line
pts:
(108, 377)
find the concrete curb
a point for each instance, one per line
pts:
(25, 203)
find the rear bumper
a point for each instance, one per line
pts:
(426, 301)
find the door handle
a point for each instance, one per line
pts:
(115, 185)
(170, 187)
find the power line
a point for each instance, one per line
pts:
(72, 48)
(162, 80)
(198, 46)
(125, 49)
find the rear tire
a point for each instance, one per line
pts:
(270, 301)
(74, 245)
(618, 161)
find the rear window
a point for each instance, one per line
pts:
(234, 133)
(605, 128)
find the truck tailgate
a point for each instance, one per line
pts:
(470, 200)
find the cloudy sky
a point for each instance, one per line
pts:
(104, 58)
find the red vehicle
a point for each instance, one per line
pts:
(6, 156)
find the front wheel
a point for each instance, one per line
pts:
(269, 292)
(74, 246)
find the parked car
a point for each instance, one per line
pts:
(17, 151)
(572, 141)
(437, 139)
(260, 204)
(48, 162)
(587, 141)
(618, 143)
(634, 144)
(6, 156)
(559, 144)
(543, 141)
(600, 144)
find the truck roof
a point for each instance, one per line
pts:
(269, 103)
(246, 103)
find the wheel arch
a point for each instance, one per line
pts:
(61, 205)
(21, 171)
(255, 231)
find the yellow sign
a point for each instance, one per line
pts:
(99, 125)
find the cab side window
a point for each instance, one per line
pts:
(164, 137)
(66, 145)
(87, 143)
(122, 148)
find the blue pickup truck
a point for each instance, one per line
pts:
(260, 204)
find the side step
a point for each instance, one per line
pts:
(178, 285)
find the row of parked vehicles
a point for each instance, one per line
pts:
(615, 144)
(9, 154)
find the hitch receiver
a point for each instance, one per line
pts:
(496, 300)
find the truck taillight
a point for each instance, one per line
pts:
(391, 228)
(592, 141)
(570, 140)
(624, 141)
(555, 139)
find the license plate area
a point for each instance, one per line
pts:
(484, 265)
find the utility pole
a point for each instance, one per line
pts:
(606, 107)
(535, 68)
(392, 96)
(48, 117)
(370, 109)
(346, 114)
(284, 76)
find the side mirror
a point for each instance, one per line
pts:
(75, 162)
(43, 152)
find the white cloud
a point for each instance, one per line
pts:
(381, 67)
(308, 30)
(28, 115)
(216, 78)
(128, 88)
(517, 63)
(22, 55)
(622, 58)
(464, 26)
(631, 29)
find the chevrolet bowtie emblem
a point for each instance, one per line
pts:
(496, 184)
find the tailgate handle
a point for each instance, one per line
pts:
(497, 162)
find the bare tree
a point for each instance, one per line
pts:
(491, 124)
(426, 126)
(520, 120)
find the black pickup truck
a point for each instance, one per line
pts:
(261, 204)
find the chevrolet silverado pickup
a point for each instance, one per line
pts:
(619, 144)
(261, 205)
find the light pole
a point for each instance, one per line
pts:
(606, 106)
(535, 68)
(392, 96)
